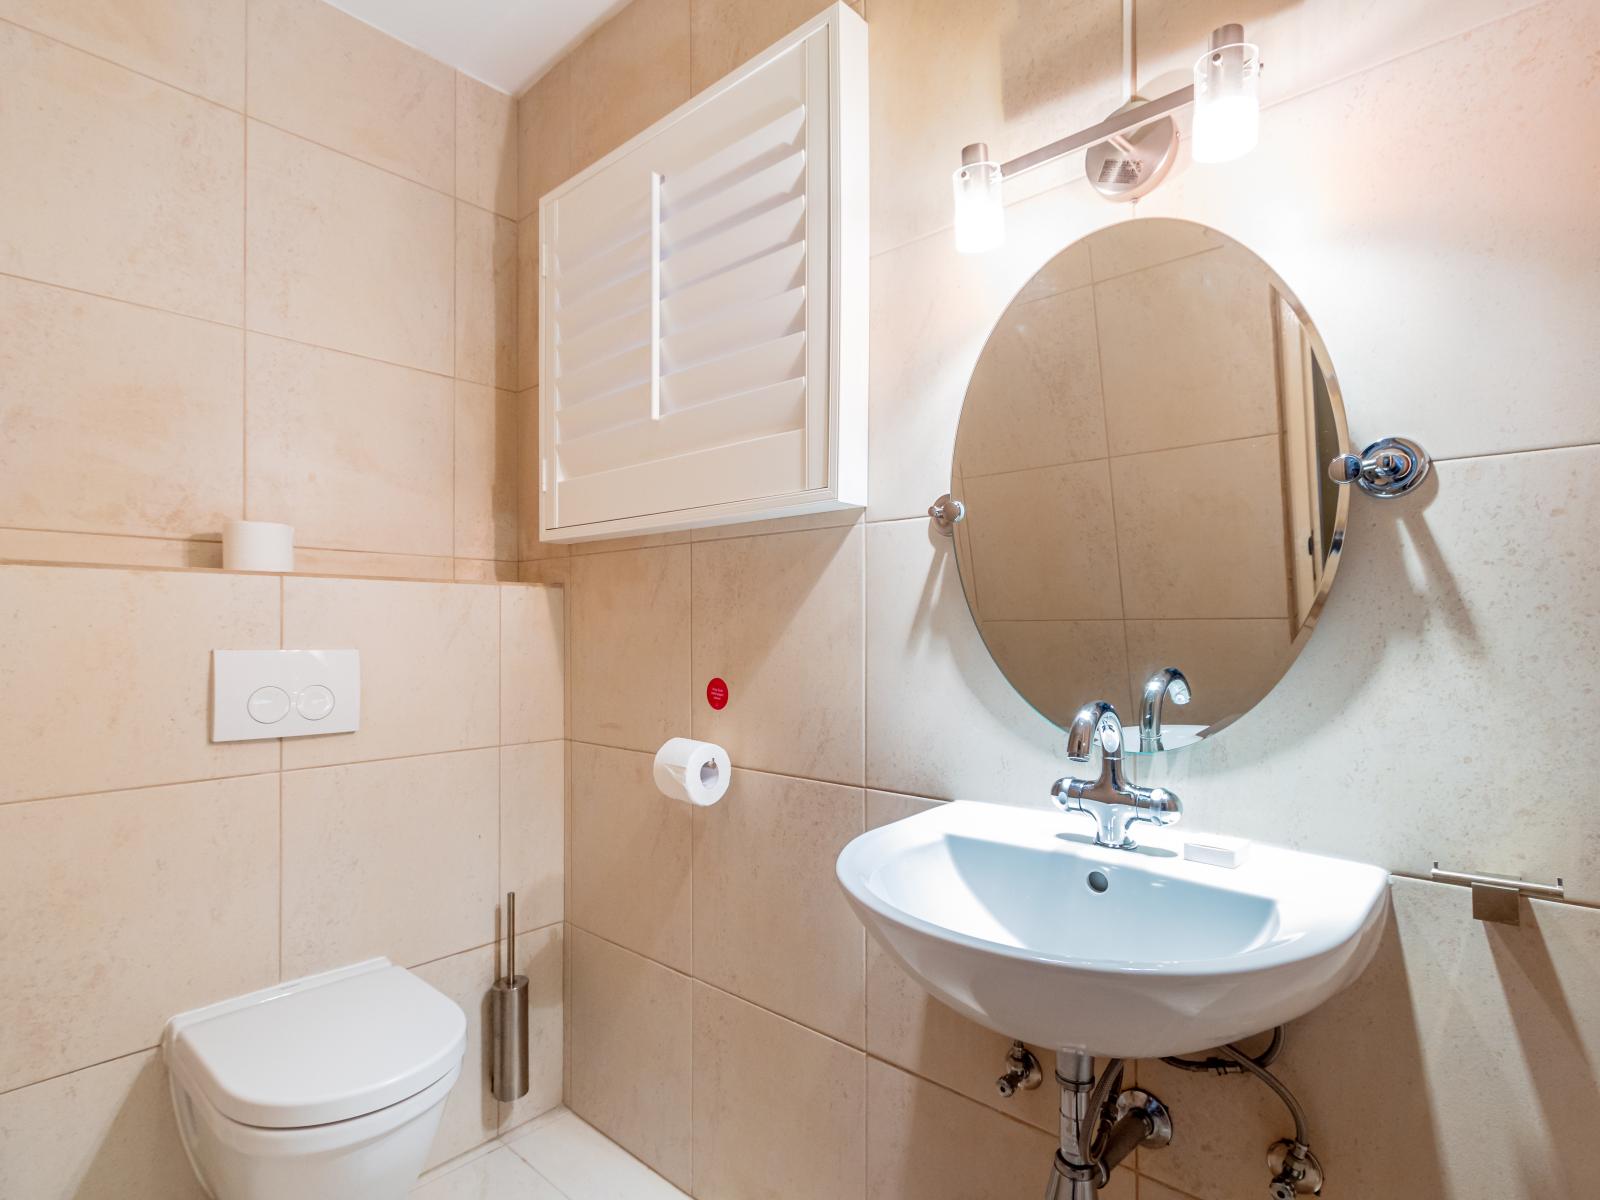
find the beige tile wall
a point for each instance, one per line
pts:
(144, 870)
(1456, 308)
(260, 261)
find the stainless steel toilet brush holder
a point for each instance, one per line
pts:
(508, 1019)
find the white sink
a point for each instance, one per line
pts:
(995, 911)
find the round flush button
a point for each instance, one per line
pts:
(314, 703)
(268, 705)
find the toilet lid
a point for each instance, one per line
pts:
(321, 1049)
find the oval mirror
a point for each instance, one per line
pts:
(1139, 465)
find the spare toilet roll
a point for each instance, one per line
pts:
(257, 546)
(694, 771)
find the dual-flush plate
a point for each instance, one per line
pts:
(259, 694)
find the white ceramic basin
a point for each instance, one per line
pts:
(995, 911)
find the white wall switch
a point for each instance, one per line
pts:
(284, 693)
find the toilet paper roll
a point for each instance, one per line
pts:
(694, 771)
(257, 546)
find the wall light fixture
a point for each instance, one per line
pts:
(1132, 150)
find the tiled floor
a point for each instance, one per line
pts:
(556, 1157)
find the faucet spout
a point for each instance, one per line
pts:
(1169, 681)
(1110, 799)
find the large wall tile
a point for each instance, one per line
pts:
(471, 1113)
(642, 53)
(908, 1027)
(1193, 541)
(1034, 399)
(541, 957)
(1214, 375)
(1460, 1066)
(532, 830)
(355, 454)
(118, 419)
(1013, 74)
(105, 676)
(486, 147)
(780, 618)
(931, 313)
(344, 255)
(1060, 665)
(631, 849)
(768, 924)
(533, 652)
(780, 1112)
(124, 908)
(429, 664)
(1312, 44)
(104, 1133)
(631, 1022)
(132, 189)
(930, 1144)
(486, 470)
(1437, 621)
(725, 34)
(630, 647)
(396, 858)
(544, 136)
(322, 74)
(196, 45)
(1424, 305)
(941, 719)
(1026, 569)
(486, 297)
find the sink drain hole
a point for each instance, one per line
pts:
(1098, 882)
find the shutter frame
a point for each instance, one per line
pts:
(690, 329)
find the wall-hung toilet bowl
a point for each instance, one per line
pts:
(327, 1088)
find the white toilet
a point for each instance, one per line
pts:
(325, 1088)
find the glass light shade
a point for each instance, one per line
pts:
(980, 207)
(1227, 102)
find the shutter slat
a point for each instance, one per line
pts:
(604, 305)
(747, 192)
(744, 371)
(769, 466)
(769, 275)
(603, 413)
(737, 327)
(741, 243)
(607, 376)
(778, 408)
(623, 261)
(628, 328)
(758, 137)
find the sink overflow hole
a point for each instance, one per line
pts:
(1098, 882)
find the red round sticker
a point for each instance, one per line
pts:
(717, 693)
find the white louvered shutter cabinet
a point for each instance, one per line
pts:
(703, 305)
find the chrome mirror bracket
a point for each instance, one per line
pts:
(946, 511)
(1386, 469)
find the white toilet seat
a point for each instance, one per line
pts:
(324, 1088)
(317, 1139)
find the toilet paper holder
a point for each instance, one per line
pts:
(508, 1018)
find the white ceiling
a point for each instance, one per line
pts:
(504, 43)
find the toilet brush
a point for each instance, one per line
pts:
(508, 1008)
